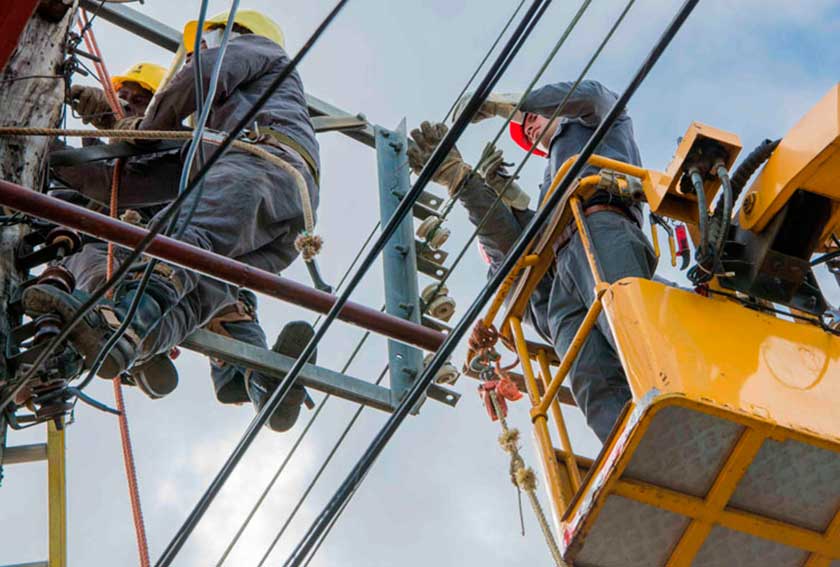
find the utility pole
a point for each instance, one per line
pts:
(32, 93)
(32, 102)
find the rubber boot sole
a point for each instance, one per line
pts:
(156, 377)
(291, 341)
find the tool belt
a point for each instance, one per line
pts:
(276, 138)
(567, 233)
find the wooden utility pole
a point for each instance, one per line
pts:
(32, 91)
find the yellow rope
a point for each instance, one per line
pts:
(524, 478)
(307, 243)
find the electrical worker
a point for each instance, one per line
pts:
(561, 300)
(148, 181)
(250, 210)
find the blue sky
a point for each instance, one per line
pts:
(440, 493)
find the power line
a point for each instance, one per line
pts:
(483, 60)
(318, 474)
(359, 253)
(484, 220)
(364, 464)
(573, 23)
(499, 66)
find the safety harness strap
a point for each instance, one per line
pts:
(288, 141)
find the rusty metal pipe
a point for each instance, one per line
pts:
(214, 265)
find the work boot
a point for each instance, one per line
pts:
(291, 342)
(156, 377)
(97, 326)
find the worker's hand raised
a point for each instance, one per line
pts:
(493, 167)
(501, 105)
(92, 106)
(452, 170)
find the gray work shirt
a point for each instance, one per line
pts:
(250, 65)
(587, 106)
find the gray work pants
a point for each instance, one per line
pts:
(250, 211)
(88, 265)
(597, 378)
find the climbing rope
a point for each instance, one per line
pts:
(496, 387)
(307, 243)
(122, 418)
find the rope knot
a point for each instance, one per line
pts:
(132, 217)
(309, 245)
(509, 440)
(526, 479)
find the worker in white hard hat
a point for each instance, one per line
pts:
(562, 298)
(250, 209)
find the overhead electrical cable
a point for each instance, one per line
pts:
(504, 59)
(484, 220)
(418, 388)
(364, 337)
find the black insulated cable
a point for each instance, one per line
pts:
(364, 337)
(750, 165)
(534, 13)
(719, 233)
(360, 470)
(496, 203)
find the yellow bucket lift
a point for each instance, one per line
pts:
(729, 452)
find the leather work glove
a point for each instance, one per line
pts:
(452, 171)
(493, 168)
(129, 123)
(91, 104)
(494, 105)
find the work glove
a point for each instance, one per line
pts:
(91, 104)
(494, 105)
(452, 171)
(493, 168)
(129, 123)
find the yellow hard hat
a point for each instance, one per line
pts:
(147, 75)
(256, 22)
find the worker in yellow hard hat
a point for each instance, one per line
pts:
(245, 22)
(135, 89)
(250, 209)
(557, 120)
